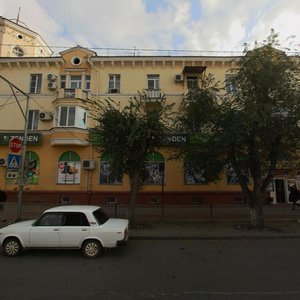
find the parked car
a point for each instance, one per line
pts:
(82, 227)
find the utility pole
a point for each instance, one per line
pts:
(21, 179)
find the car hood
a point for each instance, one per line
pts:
(116, 223)
(21, 224)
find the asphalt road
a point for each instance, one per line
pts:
(189, 269)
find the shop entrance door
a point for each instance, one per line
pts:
(280, 190)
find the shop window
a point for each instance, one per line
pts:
(106, 173)
(193, 174)
(69, 167)
(154, 168)
(232, 178)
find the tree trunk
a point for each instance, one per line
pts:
(132, 199)
(256, 211)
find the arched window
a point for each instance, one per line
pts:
(32, 167)
(18, 51)
(193, 174)
(105, 172)
(155, 168)
(69, 168)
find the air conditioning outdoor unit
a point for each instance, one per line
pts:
(51, 77)
(88, 164)
(3, 162)
(46, 116)
(178, 77)
(52, 85)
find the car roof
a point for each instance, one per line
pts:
(73, 208)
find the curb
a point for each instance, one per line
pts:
(207, 238)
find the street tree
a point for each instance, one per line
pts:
(127, 134)
(254, 128)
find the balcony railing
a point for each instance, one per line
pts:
(152, 95)
(73, 94)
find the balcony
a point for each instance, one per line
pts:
(152, 95)
(74, 94)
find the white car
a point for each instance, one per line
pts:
(72, 226)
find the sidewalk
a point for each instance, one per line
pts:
(214, 230)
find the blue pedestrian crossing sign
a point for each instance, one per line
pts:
(13, 162)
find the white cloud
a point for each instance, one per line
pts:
(223, 25)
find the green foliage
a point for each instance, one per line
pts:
(128, 133)
(253, 128)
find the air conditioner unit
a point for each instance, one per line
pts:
(88, 164)
(52, 85)
(51, 77)
(46, 116)
(178, 77)
(3, 162)
(12, 175)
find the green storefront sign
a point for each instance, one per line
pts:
(32, 137)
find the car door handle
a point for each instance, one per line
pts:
(55, 229)
(83, 229)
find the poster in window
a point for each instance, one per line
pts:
(154, 173)
(105, 174)
(68, 172)
(193, 174)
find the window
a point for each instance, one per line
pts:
(50, 219)
(87, 82)
(71, 116)
(105, 172)
(35, 83)
(230, 84)
(75, 82)
(114, 83)
(193, 174)
(33, 120)
(63, 81)
(232, 177)
(69, 168)
(75, 219)
(153, 82)
(192, 82)
(155, 168)
(18, 51)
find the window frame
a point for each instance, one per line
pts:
(33, 119)
(114, 83)
(153, 81)
(35, 83)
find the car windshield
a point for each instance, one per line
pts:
(100, 216)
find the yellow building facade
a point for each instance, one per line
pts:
(65, 162)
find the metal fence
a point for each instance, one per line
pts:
(150, 212)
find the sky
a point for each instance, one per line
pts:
(198, 25)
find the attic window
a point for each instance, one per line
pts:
(18, 51)
(76, 61)
(20, 36)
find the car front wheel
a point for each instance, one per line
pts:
(12, 247)
(92, 248)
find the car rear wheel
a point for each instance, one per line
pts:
(92, 248)
(12, 247)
